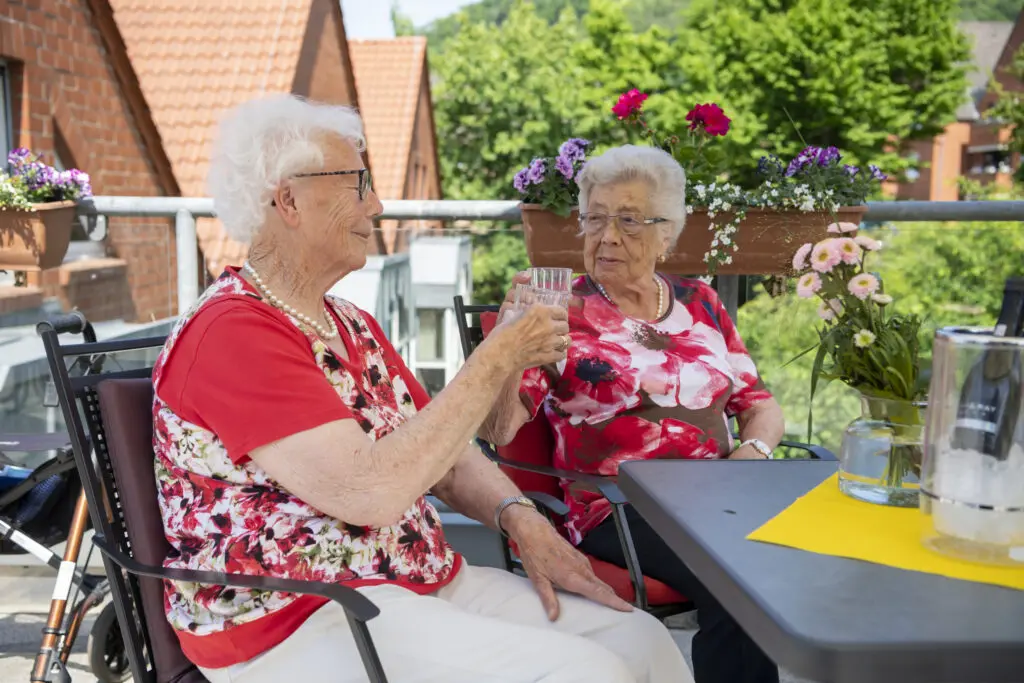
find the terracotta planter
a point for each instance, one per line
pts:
(36, 239)
(767, 240)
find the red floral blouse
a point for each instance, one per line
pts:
(222, 512)
(636, 390)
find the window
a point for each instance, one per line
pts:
(430, 340)
(6, 134)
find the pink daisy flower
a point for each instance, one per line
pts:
(800, 257)
(833, 228)
(829, 310)
(862, 286)
(867, 243)
(849, 251)
(808, 285)
(825, 256)
(845, 227)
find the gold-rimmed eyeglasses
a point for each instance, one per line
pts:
(629, 223)
(365, 181)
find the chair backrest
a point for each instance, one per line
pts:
(127, 359)
(126, 410)
(534, 443)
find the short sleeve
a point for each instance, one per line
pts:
(396, 365)
(748, 389)
(245, 373)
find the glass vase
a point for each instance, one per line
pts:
(880, 458)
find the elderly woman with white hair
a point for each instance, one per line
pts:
(291, 440)
(656, 369)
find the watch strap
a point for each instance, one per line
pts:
(759, 446)
(508, 502)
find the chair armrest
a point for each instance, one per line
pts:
(492, 454)
(548, 502)
(354, 602)
(817, 452)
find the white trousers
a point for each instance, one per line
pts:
(486, 626)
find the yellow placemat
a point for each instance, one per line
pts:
(827, 522)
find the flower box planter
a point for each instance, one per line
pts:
(35, 239)
(767, 239)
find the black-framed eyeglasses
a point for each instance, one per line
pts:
(629, 223)
(365, 181)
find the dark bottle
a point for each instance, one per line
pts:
(990, 399)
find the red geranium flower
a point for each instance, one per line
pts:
(629, 103)
(710, 117)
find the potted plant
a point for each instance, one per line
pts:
(730, 230)
(37, 211)
(867, 346)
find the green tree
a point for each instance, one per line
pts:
(858, 74)
(494, 12)
(665, 14)
(401, 23)
(1010, 109)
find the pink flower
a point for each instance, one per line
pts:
(629, 103)
(828, 311)
(849, 251)
(800, 257)
(808, 285)
(862, 286)
(825, 256)
(867, 243)
(843, 227)
(710, 117)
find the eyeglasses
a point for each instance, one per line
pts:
(629, 223)
(364, 179)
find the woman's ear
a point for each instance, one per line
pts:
(284, 202)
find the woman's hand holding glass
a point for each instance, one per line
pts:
(535, 306)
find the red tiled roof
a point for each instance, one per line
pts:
(195, 59)
(389, 78)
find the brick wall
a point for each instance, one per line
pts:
(64, 80)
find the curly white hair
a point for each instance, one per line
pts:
(657, 168)
(262, 142)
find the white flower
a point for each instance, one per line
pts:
(726, 206)
(726, 240)
(864, 339)
(728, 260)
(881, 299)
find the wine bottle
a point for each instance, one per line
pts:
(990, 399)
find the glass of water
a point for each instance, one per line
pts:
(552, 279)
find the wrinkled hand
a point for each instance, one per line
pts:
(552, 562)
(521, 278)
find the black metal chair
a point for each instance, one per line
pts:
(527, 461)
(113, 408)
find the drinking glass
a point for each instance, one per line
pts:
(554, 279)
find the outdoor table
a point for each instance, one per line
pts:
(830, 619)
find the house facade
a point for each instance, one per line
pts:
(68, 91)
(974, 147)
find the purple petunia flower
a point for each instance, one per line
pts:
(18, 156)
(851, 170)
(822, 156)
(535, 174)
(573, 150)
(564, 166)
(520, 182)
(769, 165)
(876, 173)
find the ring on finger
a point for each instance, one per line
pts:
(563, 345)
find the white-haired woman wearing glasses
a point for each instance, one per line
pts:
(291, 440)
(655, 370)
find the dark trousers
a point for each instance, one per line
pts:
(722, 651)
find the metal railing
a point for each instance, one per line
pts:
(185, 211)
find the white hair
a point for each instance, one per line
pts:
(264, 141)
(657, 168)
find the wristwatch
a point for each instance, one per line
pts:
(759, 446)
(507, 502)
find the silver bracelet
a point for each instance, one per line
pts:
(507, 502)
(759, 446)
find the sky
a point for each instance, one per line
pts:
(372, 18)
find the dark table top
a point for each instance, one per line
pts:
(826, 618)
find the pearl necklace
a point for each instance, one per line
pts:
(325, 333)
(661, 295)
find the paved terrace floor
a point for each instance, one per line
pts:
(25, 600)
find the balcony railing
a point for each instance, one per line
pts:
(185, 210)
